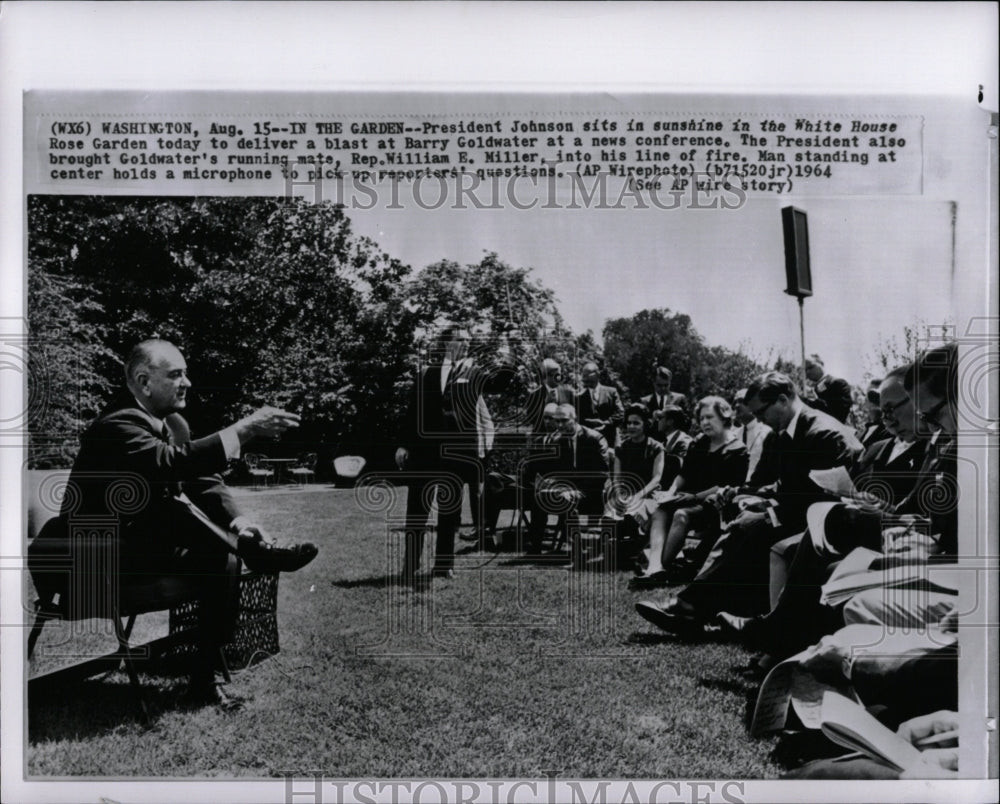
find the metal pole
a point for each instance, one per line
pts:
(802, 340)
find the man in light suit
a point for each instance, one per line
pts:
(598, 406)
(737, 580)
(552, 390)
(442, 434)
(188, 521)
(756, 436)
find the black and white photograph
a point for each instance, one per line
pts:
(527, 443)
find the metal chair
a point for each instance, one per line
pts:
(73, 563)
(305, 469)
(260, 474)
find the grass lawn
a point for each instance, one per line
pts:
(508, 670)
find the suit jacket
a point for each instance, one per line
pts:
(892, 479)
(581, 460)
(765, 472)
(125, 445)
(833, 396)
(605, 415)
(872, 433)
(651, 402)
(935, 493)
(538, 398)
(819, 442)
(451, 416)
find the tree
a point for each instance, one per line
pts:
(272, 300)
(634, 346)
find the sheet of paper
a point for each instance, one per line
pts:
(835, 481)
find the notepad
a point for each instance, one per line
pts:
(848, 724)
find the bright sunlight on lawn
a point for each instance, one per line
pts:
(508, 670)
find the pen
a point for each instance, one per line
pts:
(936, 739)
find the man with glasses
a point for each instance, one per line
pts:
(737, 578)
(889, 472)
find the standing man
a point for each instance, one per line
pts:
(189, 522)
(599, 407)
(661, 399)
(833, 394)
(552, 390)
(441, 443)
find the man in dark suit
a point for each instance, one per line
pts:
(737, 580)
(441, 442)
(598, 406)
(889, 472)
(873, 429)
(552, 390)
(184, 519)
(662, 398)
(572, 479)
(832, 394)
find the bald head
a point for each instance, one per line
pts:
(590, 375)
(566, 418)
(156, 374)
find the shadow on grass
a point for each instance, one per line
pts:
(376, 581)
(93, 708)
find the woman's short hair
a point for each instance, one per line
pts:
(720, 407)
(638, 409)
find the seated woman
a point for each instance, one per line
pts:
(638, 467)
(716, 459)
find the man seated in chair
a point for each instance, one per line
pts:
(572, 481)
(185, 520)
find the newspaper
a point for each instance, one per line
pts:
(614, 197)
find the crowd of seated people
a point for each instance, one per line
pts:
(748, 520)
(764, 581)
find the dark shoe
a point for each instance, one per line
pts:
(442, 572)
(751, 631)
(260, 556)
(654, 581)
(681, 572)
(671, 617)
(210, 694)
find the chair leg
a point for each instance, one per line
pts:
(36, 629)
(224, 665)
(122, 633)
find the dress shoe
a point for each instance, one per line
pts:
(673, 617)
(211, 694)
(264, 557)
(750, 630)
(654, 581)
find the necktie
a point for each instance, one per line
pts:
(745, 438)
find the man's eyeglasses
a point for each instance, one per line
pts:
(931, 416)
(759, 412)
(889, 411)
